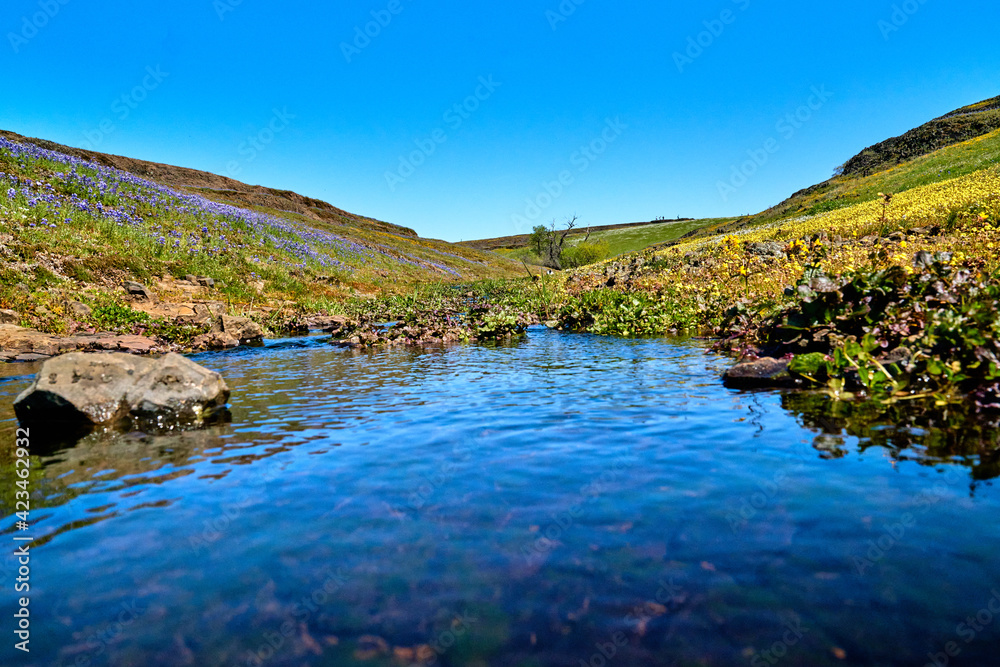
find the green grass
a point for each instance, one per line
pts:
(626, 240)
(631, 239)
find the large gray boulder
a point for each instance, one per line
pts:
(80, 391)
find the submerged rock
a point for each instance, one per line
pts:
(764, 372)
(82, 391)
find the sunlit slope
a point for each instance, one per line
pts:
(958, 216)
(621, 238)
(69, 222)
(621, 241)
(959, 143)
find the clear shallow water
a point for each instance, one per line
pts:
(559, 500)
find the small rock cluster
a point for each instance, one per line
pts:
(431, 331)
(480, 323)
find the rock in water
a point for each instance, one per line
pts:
(176, 389)
(80, 391)
(78, 388)
(764, 372)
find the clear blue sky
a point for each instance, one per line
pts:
(555, 80)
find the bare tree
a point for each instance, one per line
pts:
(556, 241)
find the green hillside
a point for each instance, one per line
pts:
(845, 190)
(631, 239)
(620, 239)
(960, 125)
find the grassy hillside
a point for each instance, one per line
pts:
(218, 188)
(956, 159)
(631, 239)
(960, 125)
(73, 228)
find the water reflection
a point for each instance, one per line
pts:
(909, 431)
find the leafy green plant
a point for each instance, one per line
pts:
(496, 322)
(112, 315)
(932, 331)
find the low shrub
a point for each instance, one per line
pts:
(584, 253)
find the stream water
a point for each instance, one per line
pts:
(563, 500)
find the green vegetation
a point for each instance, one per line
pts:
(632, 239)
(541, 297)
(584, 253)
(110, 314)
(893, 334)
(632, 314)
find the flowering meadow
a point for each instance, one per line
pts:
(68, 222)
(958, 216)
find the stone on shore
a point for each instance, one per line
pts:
(82, 391)
(217, 340)
(243, 329)
(760, 373)
(138, 290)
(78, 310)
(20, 344)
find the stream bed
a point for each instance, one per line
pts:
(562, 500)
